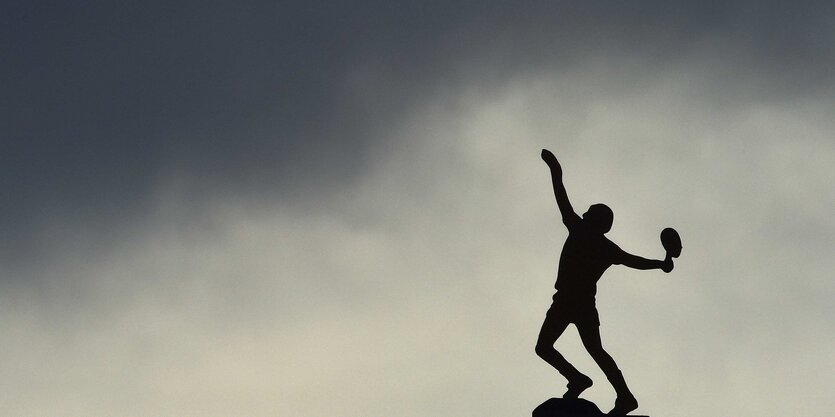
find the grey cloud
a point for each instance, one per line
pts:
(243, 207)
(105, 100)
(433, 271)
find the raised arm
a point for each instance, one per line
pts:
(569, 217)
(637, 262)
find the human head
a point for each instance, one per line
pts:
(599, 217)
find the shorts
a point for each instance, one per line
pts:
(577, 311)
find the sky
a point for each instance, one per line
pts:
(320, 208)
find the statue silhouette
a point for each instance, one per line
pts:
(586, 254)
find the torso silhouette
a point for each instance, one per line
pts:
(586, 254)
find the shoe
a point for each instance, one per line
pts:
(577, 386)
(624, 405)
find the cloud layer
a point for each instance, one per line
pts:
(315, 211)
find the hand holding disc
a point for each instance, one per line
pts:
(671, 242)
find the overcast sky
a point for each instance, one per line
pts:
(319, 209)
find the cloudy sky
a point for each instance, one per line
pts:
(315, 209)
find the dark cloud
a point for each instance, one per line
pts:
(138, 137)
(102, 100)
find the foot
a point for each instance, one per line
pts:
(576, 386)
(623, 405)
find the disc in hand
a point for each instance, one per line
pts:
(671, 242)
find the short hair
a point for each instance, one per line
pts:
(602, 217)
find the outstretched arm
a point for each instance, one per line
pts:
(569, 217)
(637, 262)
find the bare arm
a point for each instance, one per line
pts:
(637, 262)
(569, 217)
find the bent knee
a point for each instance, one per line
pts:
(602, 357)
(596, 351)
(543, 348)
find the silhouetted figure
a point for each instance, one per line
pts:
(586, 254)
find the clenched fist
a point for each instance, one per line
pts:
(551, 160)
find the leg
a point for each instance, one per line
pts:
(552, 328)
(590, 335)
